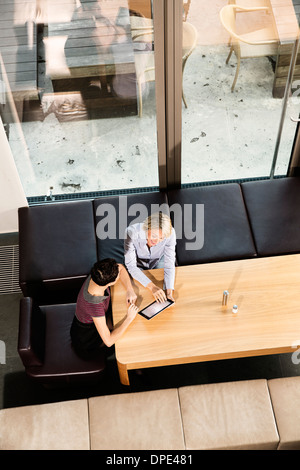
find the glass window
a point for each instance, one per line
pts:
(78, 94)
(234, 89)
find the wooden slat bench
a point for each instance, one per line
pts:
(18, 44)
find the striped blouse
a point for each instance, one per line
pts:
(89, 306)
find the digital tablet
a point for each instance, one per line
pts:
(156, 307)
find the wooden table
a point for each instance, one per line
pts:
(198, 328)
(287, 27)
(95, 42)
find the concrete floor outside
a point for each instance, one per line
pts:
(224, 135)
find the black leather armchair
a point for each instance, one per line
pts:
(45, 347)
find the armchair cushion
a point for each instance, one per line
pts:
(51, 426)
(136, 421)
(229, 415)
(55, 360)
(285, 396)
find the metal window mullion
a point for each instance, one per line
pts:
(177, 91)
(159, 55)
(284, 105)
(294, 164)
(173, 54)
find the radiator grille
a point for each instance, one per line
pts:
(9, 269)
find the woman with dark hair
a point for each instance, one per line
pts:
(92, 326)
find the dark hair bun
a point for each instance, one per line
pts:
(105, 271)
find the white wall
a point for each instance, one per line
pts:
(12, 194)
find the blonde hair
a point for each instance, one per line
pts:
(159, 221)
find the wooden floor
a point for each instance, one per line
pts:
(18, 44)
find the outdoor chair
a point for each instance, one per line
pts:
(261, 42)
(142, 34)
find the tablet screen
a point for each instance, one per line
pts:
(156, 307)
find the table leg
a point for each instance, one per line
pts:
(123, 373)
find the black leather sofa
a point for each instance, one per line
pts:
(59, 242)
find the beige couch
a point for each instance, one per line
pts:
(253, 414)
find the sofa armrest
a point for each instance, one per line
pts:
(31, 336)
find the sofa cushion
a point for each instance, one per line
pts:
(114, 214)
(232, 415)
(224, 230)
(136, 421)
(57, 249)
(273, 209)
(285, 396)
(51, 426)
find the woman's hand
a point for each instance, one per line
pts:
(131, 296)
(157, 292)
(131, 312)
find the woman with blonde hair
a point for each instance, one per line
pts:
(149, 245)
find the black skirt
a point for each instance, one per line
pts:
(85, 337)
